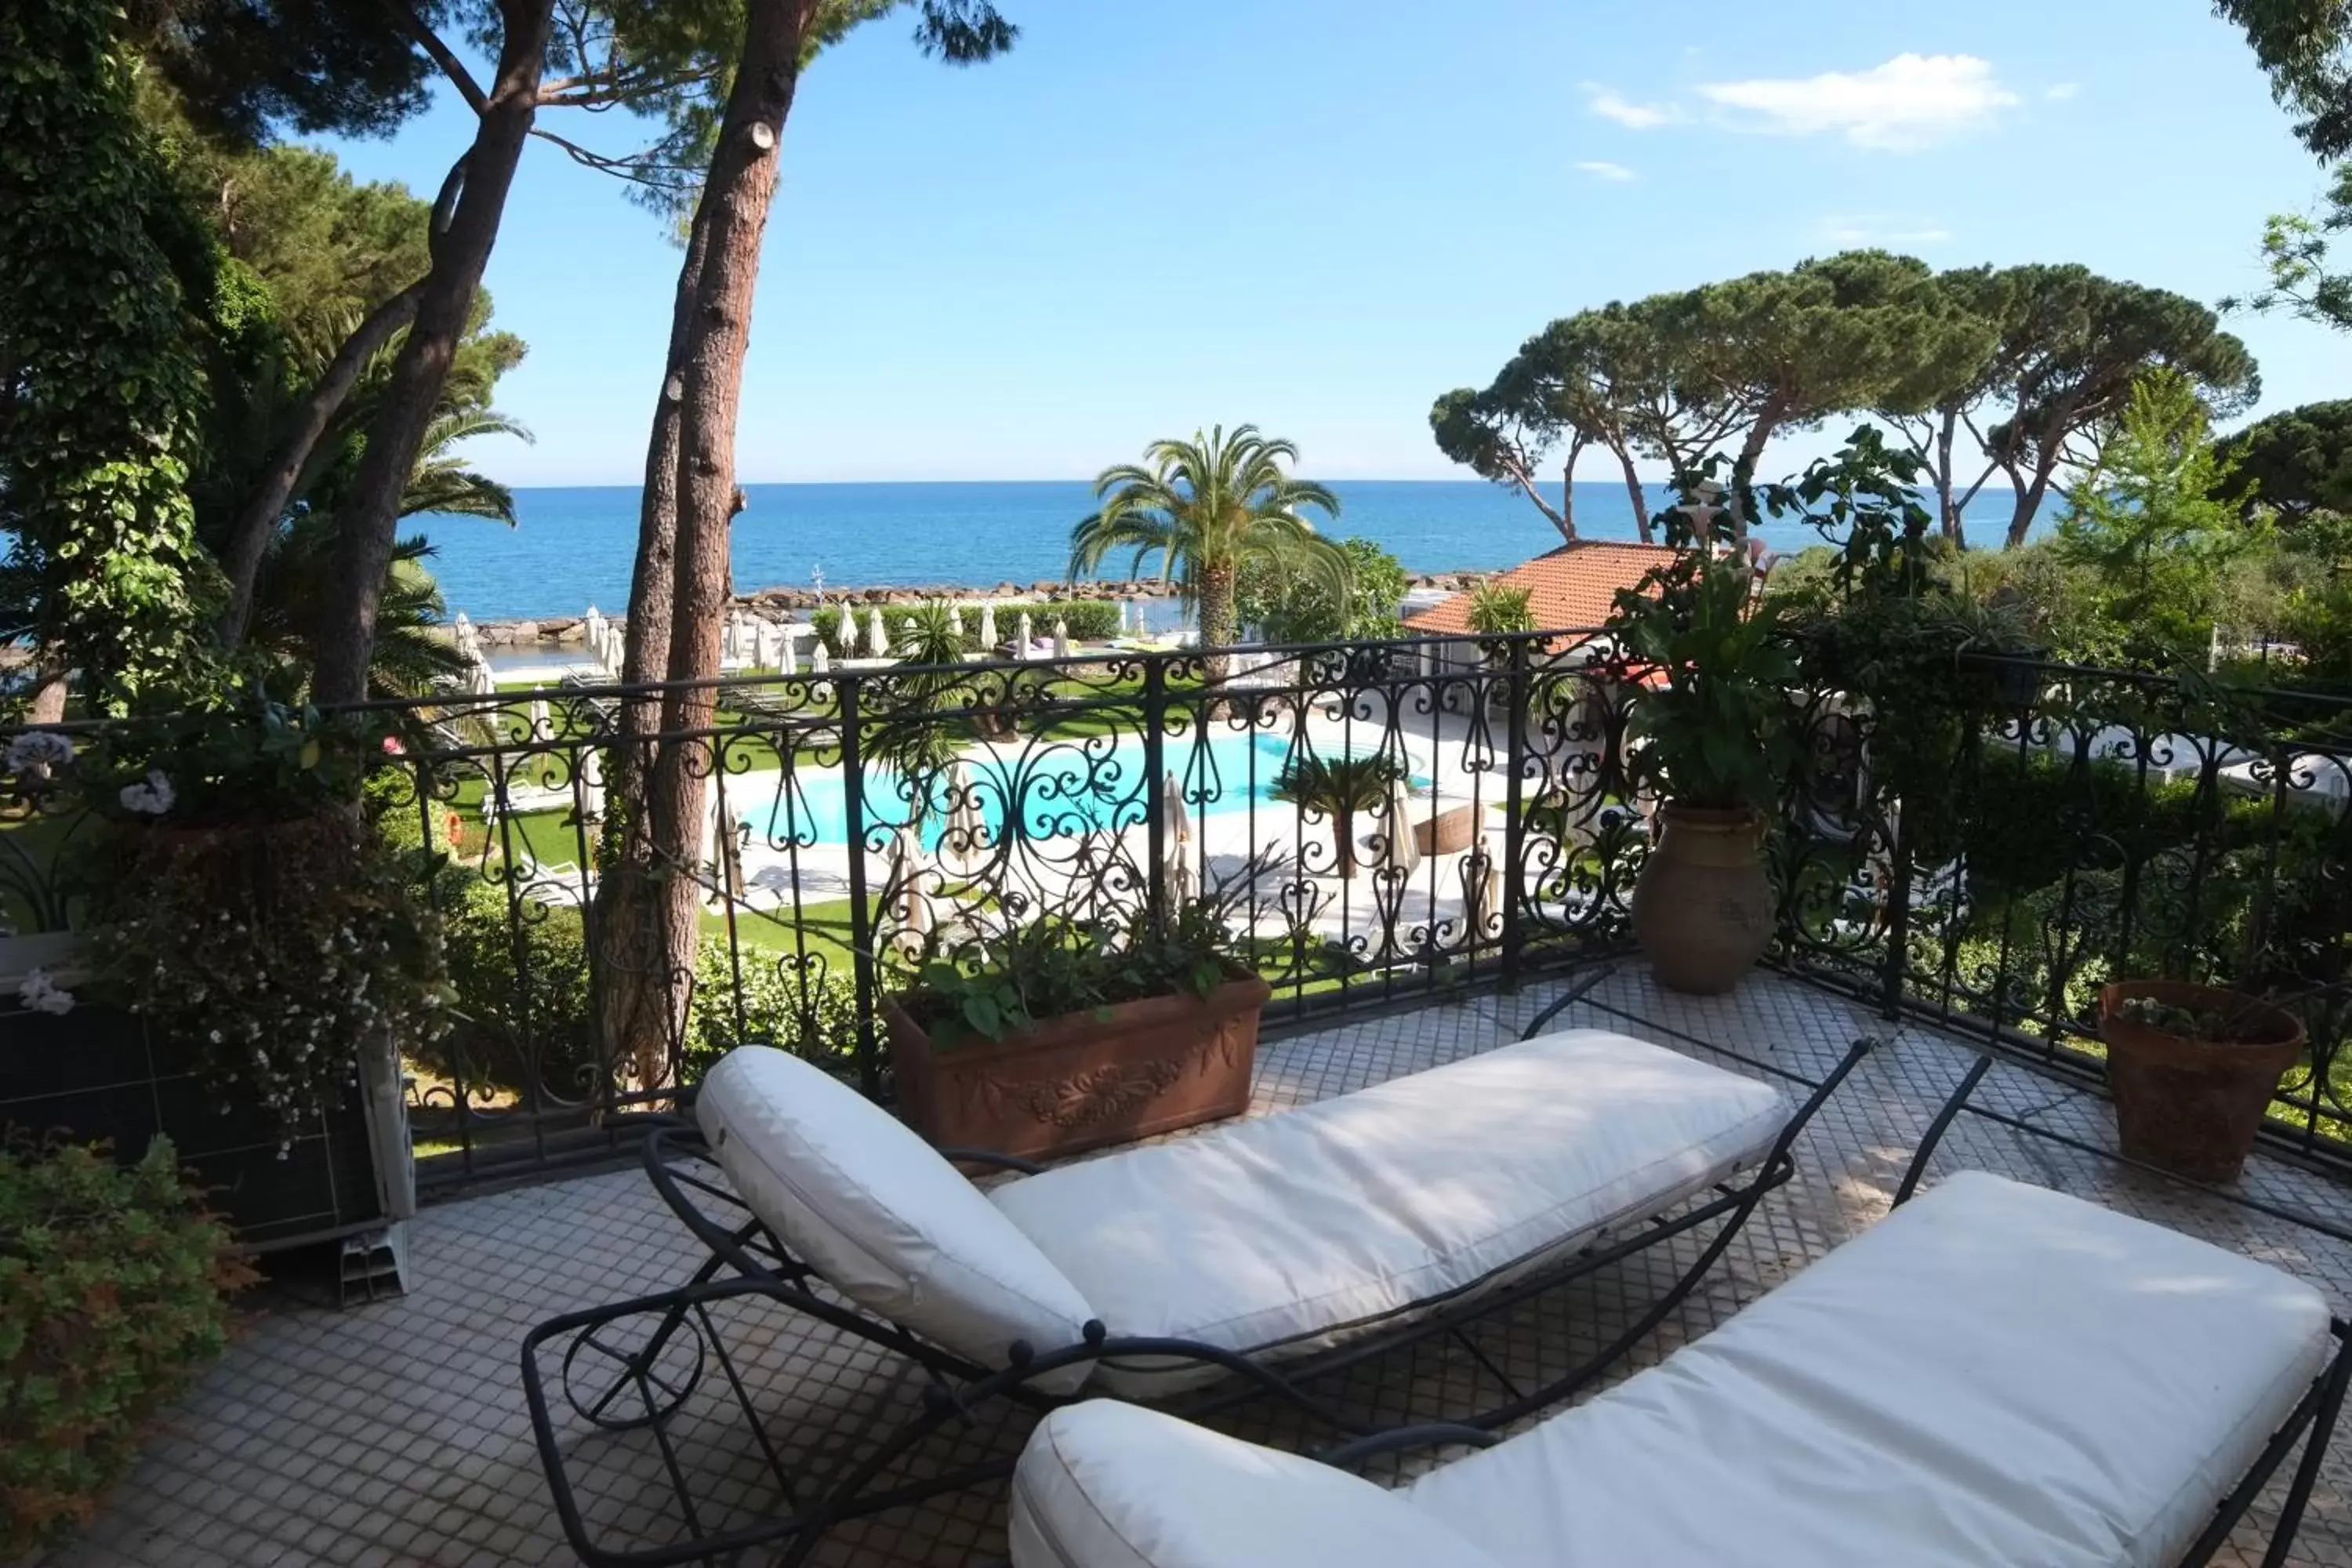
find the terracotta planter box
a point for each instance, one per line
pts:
(2187, 1106)
(1084, 1080)
(1448, 833)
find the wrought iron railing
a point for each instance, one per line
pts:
(1988, 863)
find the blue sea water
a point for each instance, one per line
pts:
(574, 547)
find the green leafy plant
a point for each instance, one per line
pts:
(1339, 788)
(1035, 966)
(754, 997)
(2145, 521)
(239, 900)
(114, 1285)
(1715, 733)
(103, 573)
(1287, 608)
(1498, 609)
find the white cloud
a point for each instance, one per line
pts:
(1601, 169)
(1910, 103)
(2060, 92)
(1877, 229)
(1612, 105)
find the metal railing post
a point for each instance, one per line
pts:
(1155, 773)
(1515, 816)
(861, 923)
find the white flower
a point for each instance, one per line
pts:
(43, 994)
(152, 798)
(38, 748)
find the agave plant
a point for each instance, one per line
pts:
(1339, 788)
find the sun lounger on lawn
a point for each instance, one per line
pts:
(1994, 1375)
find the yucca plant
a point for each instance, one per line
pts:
(1339, 788)
(1498, 609)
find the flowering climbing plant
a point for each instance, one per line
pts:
(242, 900)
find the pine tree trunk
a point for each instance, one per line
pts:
(1633, 493)
(370, 519)
(1947, 503)
(641, 957)
(730, 223)
(2029, 502)
(1743, 468)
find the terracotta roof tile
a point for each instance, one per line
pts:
(1571, 588)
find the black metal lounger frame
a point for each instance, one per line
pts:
(642, 1384)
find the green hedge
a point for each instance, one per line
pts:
(2029, 818)
(1089, 620)
(113, 1298)
(541, 1019)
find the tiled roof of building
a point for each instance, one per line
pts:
(1571, 588)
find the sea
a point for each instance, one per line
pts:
(572, 547)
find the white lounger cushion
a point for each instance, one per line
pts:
(1106, 1485)
(876, 1211)
(1994, 1373)
(1285, 1230)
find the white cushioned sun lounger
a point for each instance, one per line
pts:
(1271, 1236)
(1994, 1375)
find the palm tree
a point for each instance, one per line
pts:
(1207, 508)
(410, 651)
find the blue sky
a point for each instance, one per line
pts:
(1317, 215)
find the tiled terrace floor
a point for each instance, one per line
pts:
(396, 1433)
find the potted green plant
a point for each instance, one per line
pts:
(1709, 734)
(2193, 1070)
(1056, 1035)
(254, 942)
(1339, 789)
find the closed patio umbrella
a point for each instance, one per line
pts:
(965, 843)
(1398, 852)
(988, 638)
(955, 617)
(1175, 841)
(877, 636)
(910, 906)
(788, 660)
(1061, 637)
(1025, 629)
(819, 659)
(540, 730)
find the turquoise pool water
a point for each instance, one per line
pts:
(1058, 789)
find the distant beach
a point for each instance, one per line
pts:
(574, 546)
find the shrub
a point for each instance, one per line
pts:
(536, 1021)
(113, 1282)
(522, 1006)
(1299, 610)
(808, 1012)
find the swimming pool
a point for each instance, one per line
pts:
(1059, 789)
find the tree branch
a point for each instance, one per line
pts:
(451, 66)
(640, 170)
